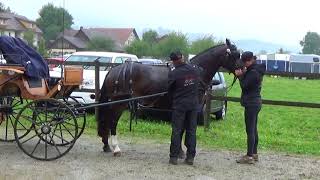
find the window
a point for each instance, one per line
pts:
(105, 59)
(81, 58)
(118, 60)
(216, 77)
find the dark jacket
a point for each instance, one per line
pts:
(250, 84)
(183, 84)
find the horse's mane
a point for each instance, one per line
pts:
(196, 58)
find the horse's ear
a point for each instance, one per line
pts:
(228, 43)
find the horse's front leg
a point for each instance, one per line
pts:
(106, 147)
(115, 143)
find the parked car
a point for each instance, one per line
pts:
(150, 61)
(218, 108)
(56, 59)
(89, 72)
(219, 88)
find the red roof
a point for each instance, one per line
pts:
(119, 35)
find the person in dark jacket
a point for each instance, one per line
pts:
(250, 78)
(183, 83)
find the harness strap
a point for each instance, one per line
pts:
(130, 80)
(116, 83)
(124, 75)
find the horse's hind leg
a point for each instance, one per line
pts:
(114, 139)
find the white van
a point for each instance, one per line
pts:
(88, 71)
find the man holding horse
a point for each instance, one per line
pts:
(183, 84)
(250, 78)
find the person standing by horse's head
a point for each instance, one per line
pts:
(250, 78)
(183, 83)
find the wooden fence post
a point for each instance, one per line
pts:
(207, 112)
(97, 84)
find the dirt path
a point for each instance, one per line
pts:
(148, 160)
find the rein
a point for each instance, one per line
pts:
(233, 82)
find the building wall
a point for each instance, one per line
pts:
(7, 32)
(131, 38)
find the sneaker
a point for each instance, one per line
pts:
(245, 160)
(182, 155)
(173, 161)
(189, 161)
(255, 157)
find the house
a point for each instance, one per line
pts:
(77, 40)
(16, 25)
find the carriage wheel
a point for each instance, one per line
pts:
(51, 123)
(80, 114)
(10, 107)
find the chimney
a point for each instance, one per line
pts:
(81, 28)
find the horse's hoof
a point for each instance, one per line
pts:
(117, 154)
(106, 149)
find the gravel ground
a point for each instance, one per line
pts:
(149, 160)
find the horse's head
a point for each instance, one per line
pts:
(231, 57)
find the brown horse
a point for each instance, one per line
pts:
(134, 79)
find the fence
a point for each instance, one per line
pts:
(209, 97)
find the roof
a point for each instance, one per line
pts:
(77, 42)
(68, 32)
(14, 22)
(119, 35)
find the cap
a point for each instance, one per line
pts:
(176, 55)
(247, 56)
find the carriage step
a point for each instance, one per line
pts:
(6, 109)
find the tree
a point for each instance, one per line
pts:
(42, 48)
(140, 48)
(262, 52)
(101, 44)
(51, 21)
(174, 41)
(202, 44)
(150, 37)
(3, 8)
(281, 51)
(29, 37)
(311, 43)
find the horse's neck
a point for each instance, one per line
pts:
(210, 67)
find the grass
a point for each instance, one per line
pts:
(282, 129)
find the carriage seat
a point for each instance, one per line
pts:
(36, 87)
(12, 67)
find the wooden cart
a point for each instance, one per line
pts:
(41, 117)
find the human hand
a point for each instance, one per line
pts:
(238, 72)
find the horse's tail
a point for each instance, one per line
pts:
(104, 112)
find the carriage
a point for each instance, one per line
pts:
(37, 112)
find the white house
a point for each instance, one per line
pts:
(15, 25)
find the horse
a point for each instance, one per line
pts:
(133, 79)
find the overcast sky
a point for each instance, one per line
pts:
(279, 21)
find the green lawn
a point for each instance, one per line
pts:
(284, 129)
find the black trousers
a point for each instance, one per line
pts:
(251, 120)
(183, 120)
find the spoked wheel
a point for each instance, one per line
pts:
(51, 122)
(73, 103)
(9, 109)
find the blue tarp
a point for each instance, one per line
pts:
(16, 51)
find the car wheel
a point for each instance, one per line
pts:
(220, 115)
